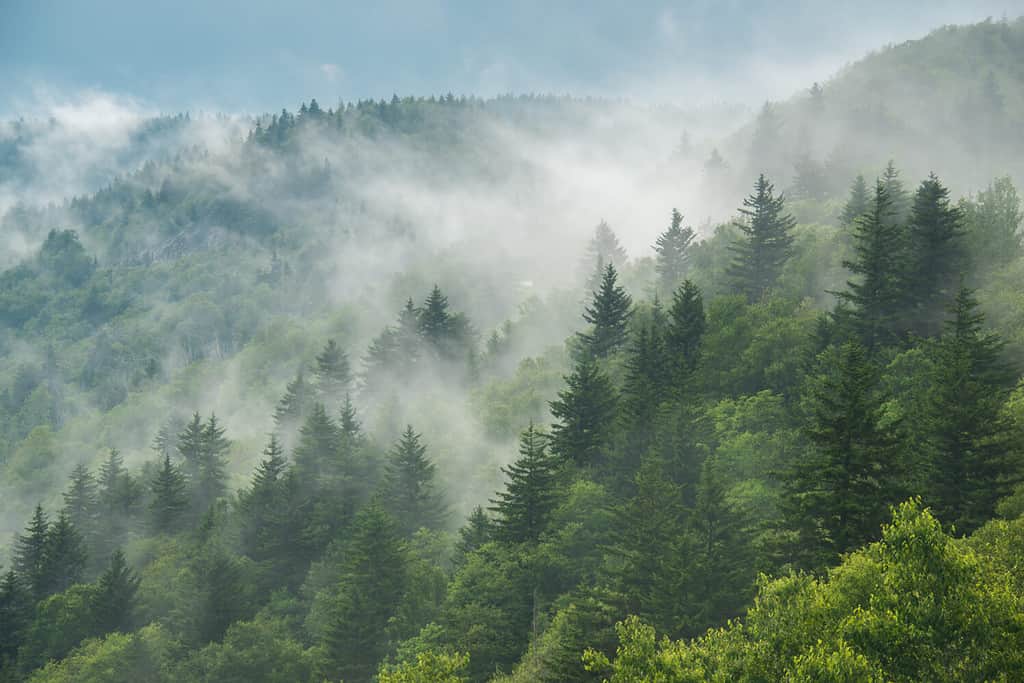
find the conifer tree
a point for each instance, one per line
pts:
(30, 554)
(765, 244)
(647, 386)
(333, 373)
(81, 500)
(318, 448)
(191, 446)
(218, 579)
(584, 416)
(935, 256)
(114, 600)
(672, 248)
(210, 483)
(166, 440)
(15, 617)
(373, 583)
(478, 530)
(412, 491)
(169, 497)
(603, 250)
(296, 403)
(119, 494)
(899, 198)
(523, 509)
(609, 314)
(435, 321)
(974, 460)
(839, 493)
(686, 326)
(876, 298)
(857, 205)
(766, 146)
(64, 555)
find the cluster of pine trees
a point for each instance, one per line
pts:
(648, 494)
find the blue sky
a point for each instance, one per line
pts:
(258, 56)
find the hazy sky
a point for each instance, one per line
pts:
(255, 55)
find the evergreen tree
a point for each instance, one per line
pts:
(218, 583)
(373, 584)
(899, 198)
(118, 497)
(318, 448)
(296, 403)
(30, 554)
(609, 314)
(210, 481)
(435, 321)
(114, 600)
(686, 326)
(64, 555)
(584, 416)
(934, 252)
(169, 497)
(672, 248)
(166, 440)
(647, 387)
(15, 617)
(876, 299)
(766, 242)
(604, 249)
(191, 446)
(971, 445)
(81, 500)
(478, 530)
(857, 205)
(839, 493)
(412, 495)
(333, 373)
(766, 152)
(523, 509)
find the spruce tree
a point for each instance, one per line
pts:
(169, 497)
(523, 509)
(648, 385)
(191, 446)
(166, 440)
(672, 249)
(584, 415)
(333, 373)
(858, 204)
(15, 617)
(839, 493)
(935, 256)
(876, 299)
(64, 554)
(81, 500)
(29, 554)
(210, 482)
(765, 244)
(974, 458)
(296, 403)
(609, 314)
(218, 582)
(435, 321)
(686, 326)
(412, 497)
(372, 586)
(318, 448)
(899, 198)
(114, 600)
(478, 530)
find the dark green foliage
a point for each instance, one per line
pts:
(876, 299)
(478, 530)
(971, 445)
(64, 556)
(169, 497)
(523, 509)
(686, 326)
(838, 492)
(609, 314)
(219, 600)
(765, 244)
(81, 501)
(899, 198)
(30, 560)
(209, 480)
(858, 204)
(672, 249)
(584, 416)
(371, 588)
(935, 256)
(318, 449)
(296, 403)
(114, 599)
(15, 615)
(412, 495)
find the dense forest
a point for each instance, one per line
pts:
(401, 391)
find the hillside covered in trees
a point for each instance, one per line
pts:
(526, 388)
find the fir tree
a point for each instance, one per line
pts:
(296, 403)
(766, 242)
(218, 579)
(81, 500)
(30, 554)
(318, 448)
(114, 600)
(686, 326)
(478, 530)
(609, 314)
(604, 249)
(333, 373)
(672, 248)
(648, 385)
(210, 481)
(523, 509)
(934, 252)
(857, 205)
(435, 321)
(970, 443)
(15, 617)
(839, 494)
(191, 446)
(899, 198)
(584, 416)
(373, 584)
(169, 497)
(64, 555)
(876, 299)
(166, 440)
(412, 495)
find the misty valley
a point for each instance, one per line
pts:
(522, 388)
